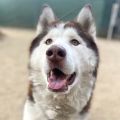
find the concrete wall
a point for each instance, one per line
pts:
(24, 13)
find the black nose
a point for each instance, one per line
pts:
(56, 53)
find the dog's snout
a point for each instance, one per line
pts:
(56, 53)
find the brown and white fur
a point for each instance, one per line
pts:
(63, 67)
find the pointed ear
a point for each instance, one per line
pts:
(47, 16)
(85, 19)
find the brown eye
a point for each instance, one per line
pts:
(75, 42)
(48, 41)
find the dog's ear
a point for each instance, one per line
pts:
(47, 16)
(85, 19)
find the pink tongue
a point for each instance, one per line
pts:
(56, 83)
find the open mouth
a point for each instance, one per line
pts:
(59, 81)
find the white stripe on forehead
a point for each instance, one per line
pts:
(58, 26)
(59, 30)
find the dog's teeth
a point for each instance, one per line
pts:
(51, 73)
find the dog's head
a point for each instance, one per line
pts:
(63, 51)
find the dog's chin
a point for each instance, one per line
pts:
(58, 81)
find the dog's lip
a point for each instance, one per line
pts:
(58, 81)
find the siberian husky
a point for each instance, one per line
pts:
(63, 67)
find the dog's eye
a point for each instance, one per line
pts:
(74, 42)
(48, 41)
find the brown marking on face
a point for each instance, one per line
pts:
(75, 25)
(86, 108)
(36, 41)
(88, 39)
(30, 92)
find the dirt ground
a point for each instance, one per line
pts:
(13, 77)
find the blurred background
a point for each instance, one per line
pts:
(18, 19)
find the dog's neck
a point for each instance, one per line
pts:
(64, 104)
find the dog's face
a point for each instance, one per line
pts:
(64, 51)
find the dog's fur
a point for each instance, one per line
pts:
(77, 39)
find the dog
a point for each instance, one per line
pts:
(63, 67)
